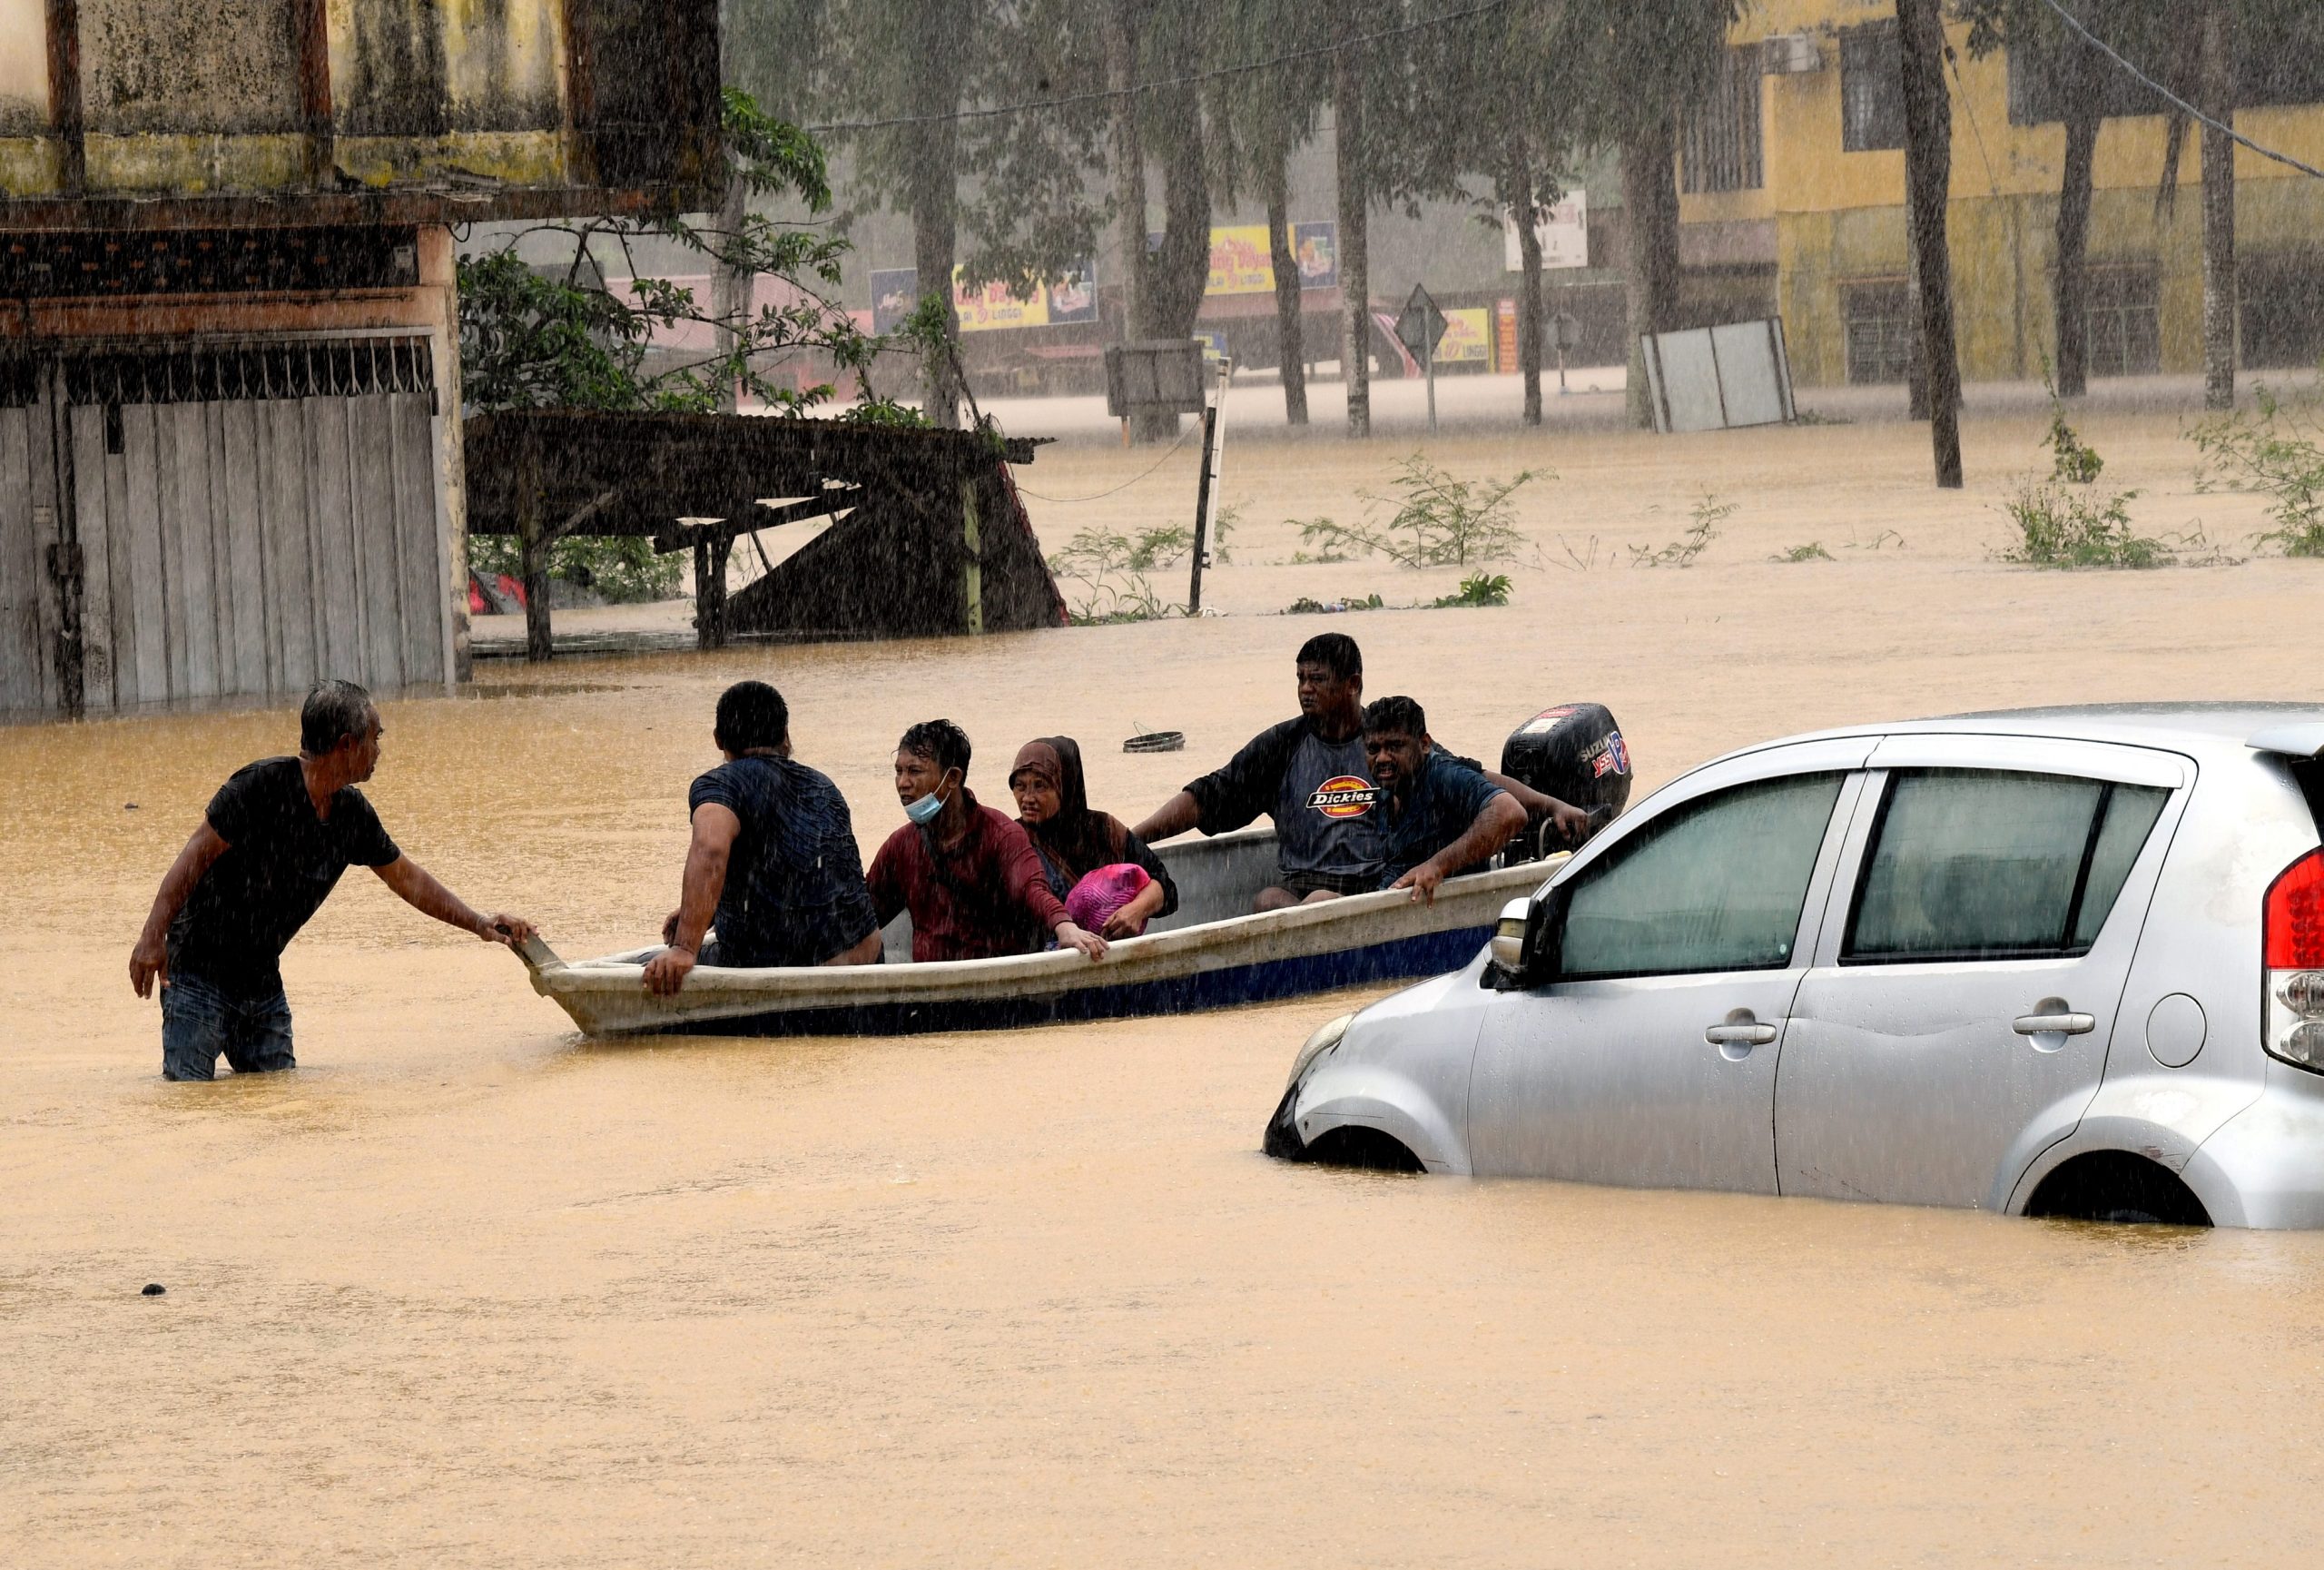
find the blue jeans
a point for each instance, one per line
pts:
(199, 1022)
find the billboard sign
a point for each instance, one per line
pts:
(1317, 248)
(1563, 231)
(895, 291)
(1468, 336)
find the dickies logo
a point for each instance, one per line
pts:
(1345, 796)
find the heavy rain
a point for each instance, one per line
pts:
(460, 409)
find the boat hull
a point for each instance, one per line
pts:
(1362, 940)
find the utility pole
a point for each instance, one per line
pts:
(2217, 94)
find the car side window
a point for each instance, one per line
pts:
(1985, 865)
(1715, 885)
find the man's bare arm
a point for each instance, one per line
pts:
(1496, 822)
(1572, 822)
(715, 828)
(418, 888)
(149, 962)
(1174, 816)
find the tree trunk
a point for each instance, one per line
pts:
(1129, 167)
(2218, 94)
(730, 287)
(2070, 297)
(1178, 273)
(934, 198)
(1355, 202)
(1290, 348)
(1520, 194)
(1650, 249)
(1928, 177)
(1916, 346)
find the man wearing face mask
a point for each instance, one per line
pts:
(969, 874)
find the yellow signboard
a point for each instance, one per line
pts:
(994, 306)
(1239, 261)
(1468, 335)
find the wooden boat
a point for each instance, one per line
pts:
(1211, 953)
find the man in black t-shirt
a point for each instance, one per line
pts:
(773, 866)
(271, 848)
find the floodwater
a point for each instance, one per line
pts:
(467, 1290)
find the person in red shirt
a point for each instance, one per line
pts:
(968, 875)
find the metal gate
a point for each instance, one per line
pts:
(242, 520)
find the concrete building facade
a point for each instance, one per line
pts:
(229, 458)
(1795, 172)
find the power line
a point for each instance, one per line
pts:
(1125, 484)
(2229, 131)
(1103, 94)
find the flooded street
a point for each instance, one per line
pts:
(468, 1290)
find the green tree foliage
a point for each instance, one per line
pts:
(562, 339)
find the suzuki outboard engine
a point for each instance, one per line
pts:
(1574, 751)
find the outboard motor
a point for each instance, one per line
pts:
(1575, 753)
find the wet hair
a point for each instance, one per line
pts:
(1335, 652)
(751, 713)
(941, 741)
(334, 711)
(1400, 715)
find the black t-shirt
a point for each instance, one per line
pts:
(280, 862)
(794, 892)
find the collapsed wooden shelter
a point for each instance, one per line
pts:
(930, 537)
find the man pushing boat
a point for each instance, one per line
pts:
(271, 848)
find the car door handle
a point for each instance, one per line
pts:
(1742, 1035)
(2054, 1024)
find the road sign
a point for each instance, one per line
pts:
(1421, 324)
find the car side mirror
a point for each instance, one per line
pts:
(1527, 940)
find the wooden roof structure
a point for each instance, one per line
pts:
(931, 537)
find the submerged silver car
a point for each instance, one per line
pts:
(2062, 962)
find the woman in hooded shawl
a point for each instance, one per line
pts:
(1089, 857)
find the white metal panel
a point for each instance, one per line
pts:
(1690, 380)
(1749, 379)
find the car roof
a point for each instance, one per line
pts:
(2197, 729)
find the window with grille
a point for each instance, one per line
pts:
(2124, 310)
(1880, 328)
(1719, 148)
(1872, 88)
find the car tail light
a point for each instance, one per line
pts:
(2292, 939)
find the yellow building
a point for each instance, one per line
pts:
(1793, 174)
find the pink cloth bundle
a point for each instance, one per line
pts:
(1095, 899)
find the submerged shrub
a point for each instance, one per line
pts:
(2058, 528)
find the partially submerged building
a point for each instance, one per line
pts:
(230, 449)
(1792, 175)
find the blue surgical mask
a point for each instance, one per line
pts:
(924, 811)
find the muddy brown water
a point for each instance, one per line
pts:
(465, 1289)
